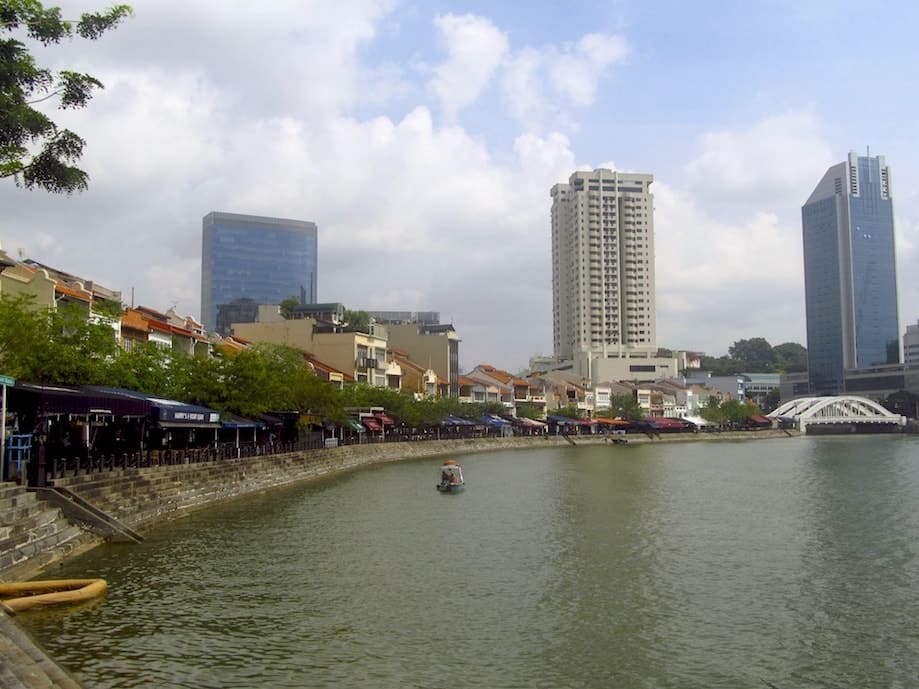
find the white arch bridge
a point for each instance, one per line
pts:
(841, 414)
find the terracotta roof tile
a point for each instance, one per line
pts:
(133, 320)
(76, 294)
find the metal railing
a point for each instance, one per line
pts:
(47, 466)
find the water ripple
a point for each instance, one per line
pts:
(788, 562)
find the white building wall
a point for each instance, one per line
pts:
(603, 264)
(911, 344)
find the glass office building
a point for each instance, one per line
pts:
(850, 278)
(247, 257)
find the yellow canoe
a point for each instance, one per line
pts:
(27, 594)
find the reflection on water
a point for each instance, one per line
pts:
(788, 562)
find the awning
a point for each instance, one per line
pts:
(451, 420)
(355, 426)
(611, 422)
(563, 421)
(665, 422)
(371, 423)
(385, 420)
(166, 412)
(62, 399)
(532, 423)
(233, 421)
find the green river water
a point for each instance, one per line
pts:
(788, 563)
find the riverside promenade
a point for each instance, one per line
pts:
(24, 665)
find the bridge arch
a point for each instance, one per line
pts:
(839, 412)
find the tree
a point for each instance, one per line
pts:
(23, 84)
(790, 357)
(754, 355)
(712, 411)
(53, 345)
(624, 407)
(903, 403)
(356, 321)
(721, 366)
(526, 410)
(287, 306)
(570, 411)
(771, 402)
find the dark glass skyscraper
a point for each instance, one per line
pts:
(248, 257)
(850, 277)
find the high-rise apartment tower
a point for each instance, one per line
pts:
(603, 265)
(850, 277)
(248, 259)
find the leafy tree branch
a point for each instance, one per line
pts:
(34, 151)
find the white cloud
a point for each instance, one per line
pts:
(776, 161)
(300, 57)
(540, 83)
(475, 48)
(575, 70)
(720, 282)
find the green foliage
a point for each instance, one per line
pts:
(712, 411)
(790, 357)
(356, 321)
(903, 403)
(728, 411)
(529, 411)
(287, 307)
(108, 308)
(33, 150)
(53, 345)
(569, 412)
(756, 355)
(773, 397)
(721, 366)
(623, 407)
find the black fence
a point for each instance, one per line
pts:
(49, 463)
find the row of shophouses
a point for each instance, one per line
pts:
(421, 358)
(682, 397)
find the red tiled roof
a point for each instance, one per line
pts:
(76, 294)
(134, 321)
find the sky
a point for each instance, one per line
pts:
(422, 137)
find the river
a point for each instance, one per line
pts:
(788, 563)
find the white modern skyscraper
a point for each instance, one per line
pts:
(603, 269)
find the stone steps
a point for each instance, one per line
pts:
(23, 665)
(32, 534)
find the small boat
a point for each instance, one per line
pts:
(451, 477)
